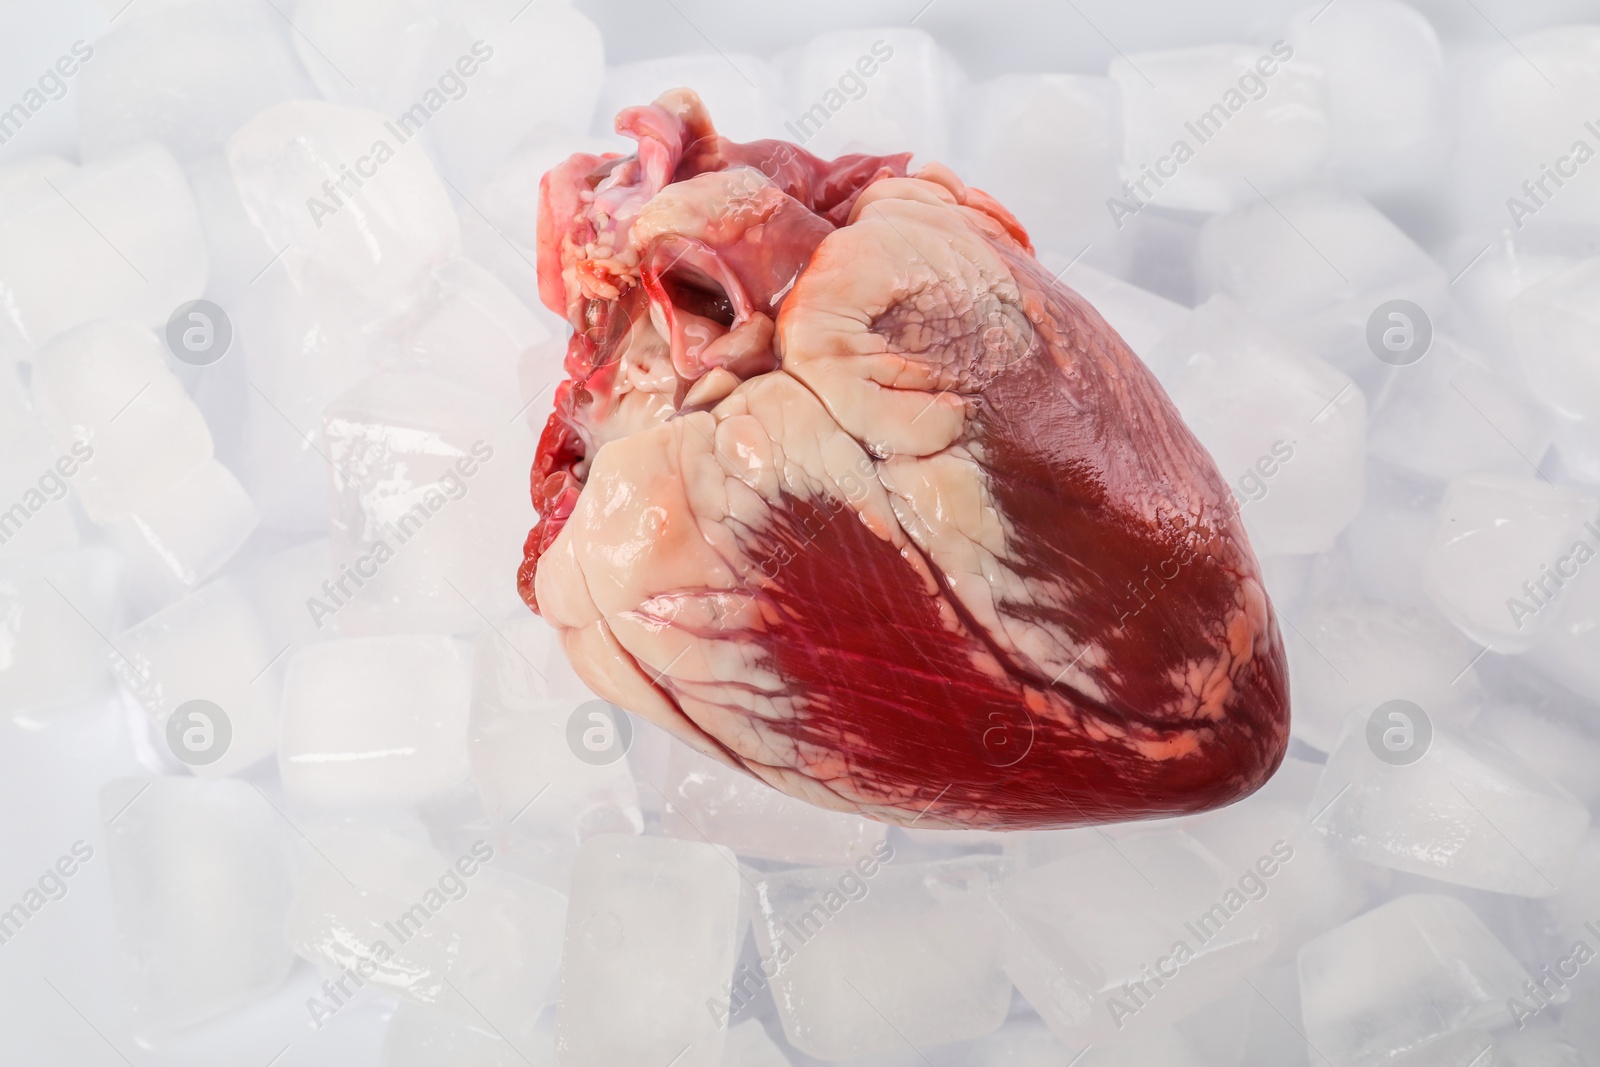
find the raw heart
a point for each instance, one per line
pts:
(845, 490)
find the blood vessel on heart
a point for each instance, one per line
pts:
(845, 490)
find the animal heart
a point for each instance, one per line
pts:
(845, 490)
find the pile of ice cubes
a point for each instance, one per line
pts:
(292, 777)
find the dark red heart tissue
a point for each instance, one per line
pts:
(846, 490)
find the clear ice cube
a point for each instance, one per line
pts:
(186, 78)
(1388, 982)
(104, 389)
(430, 504)
(200, 888)
(870, 956)
(1158, 928)
(207, 646)
(119, 238)
(375, 721)
(1465, 812)
(1286, 429)
(653, 929)
(1502, 553)
(1234, 120)
(55, 611)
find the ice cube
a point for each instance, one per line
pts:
(1568, 651)
(1580, 894)
(1543, 1046)
(1348, 655)
(209, 646)
(302, 348)
(873, 90)
(352, 204)
(1459, 1048)
(1523, 107)
(375, 721)
(283, 587)
(1551, 730)
(535, 64)
(34, 481)
(118, 10)
(421, 1036)
(28, 180)
(1209, 121)
(1289, 580)
(120, 238)
(1303, 885)
(1273, 1035)
(742, 93)
(430, 504)
(1157, 929)
(1577, 449)
(1220, 1032)
(1048, 146)
(104, 389)
(16, 410)
(237, 251)
(652, 934)
(870, 957)
(1414, 970)
(1455, 413)
(1139, 316)
(368, 55)
(1499, 272)
(1286, 429)
(1465, 811)
(532, 782)
(1316, 265)
(186, 78)
(1386, 543)
(749, 1046)
(1555, 324)
(1164, 1045)
(1502, 550)
(200, 887)
(1024, 1042)
(430, 928)
(473, 331)
(710, 801)
(1027, 1042)
(54, 612)
(1384, 70)
(183, 536)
